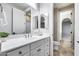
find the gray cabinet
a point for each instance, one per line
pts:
(27, 54)
(19, 52)
(38, 48)
(38, 51)
(36, 44)
(3, 54)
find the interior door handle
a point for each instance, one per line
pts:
(77, 41)
(71, 32)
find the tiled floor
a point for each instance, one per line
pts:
(65, 49)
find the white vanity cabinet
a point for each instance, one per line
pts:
(39, 51)
(20, 51)
(36, 48)
(40, 48)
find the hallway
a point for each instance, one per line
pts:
(65, 48)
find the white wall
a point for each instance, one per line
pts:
(76, 46)
(33, 14)
(8, 11)
(48, 8)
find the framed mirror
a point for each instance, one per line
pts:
(28, 21)
(44, 21)
(36, 22)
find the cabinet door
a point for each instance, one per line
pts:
(27, 54)
(19, 52)
(19, 21)
(37, 44)
(39, 51)
(3, 54)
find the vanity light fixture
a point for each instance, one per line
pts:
(3, 20)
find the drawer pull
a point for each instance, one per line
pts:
(20, 52)
(47, 45)
(38, 50)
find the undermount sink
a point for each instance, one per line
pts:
(37, 35)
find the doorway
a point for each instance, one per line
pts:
(66, 28)
(63, 29)
(66, 48)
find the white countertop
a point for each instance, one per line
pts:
(17, 41)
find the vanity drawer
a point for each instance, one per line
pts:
(41, 54)
(46, 40)
(37, 51)
(3, 54)
(37, 44)
(19, 52)
(27, 54)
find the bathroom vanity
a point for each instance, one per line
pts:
(21, 46)
(22, 21)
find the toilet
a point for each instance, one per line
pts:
(56, 45)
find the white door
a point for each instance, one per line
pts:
(77, 29)
(19, 22)
(66, 29)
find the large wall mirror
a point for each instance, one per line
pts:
(21, 19)
(24, 20)
(16, 18)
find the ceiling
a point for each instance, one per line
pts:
(21, 6)
(24, 6)
(61, 5)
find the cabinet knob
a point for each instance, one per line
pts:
(77, 41)
(20, 52)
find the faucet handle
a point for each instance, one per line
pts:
(25, 36)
